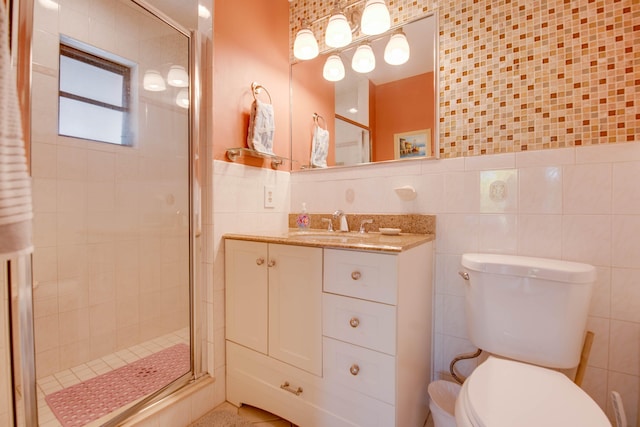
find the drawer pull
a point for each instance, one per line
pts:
(354, 322)
(271, 263)
(260, 261)
(286, 386)
(354, 369)
(356, 275)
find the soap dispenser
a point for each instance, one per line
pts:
(303, 220)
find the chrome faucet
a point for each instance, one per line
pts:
(330, 221)
(343, 220)
(363, 223)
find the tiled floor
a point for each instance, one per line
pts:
(86, 371)
(261, 418)
(256, 416)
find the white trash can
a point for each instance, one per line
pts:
(442, 402)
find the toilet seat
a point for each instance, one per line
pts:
(506, 393)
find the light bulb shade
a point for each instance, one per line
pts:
(305, 46)
(338, 32)
(182, 99)
(153, 81)
(363, 60)
(397, 51)
(375, 18)
(203, 12)
(178, 76)
(49, 4)
(333, 70)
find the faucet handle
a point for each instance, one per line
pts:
(330, 226)
(363, 223)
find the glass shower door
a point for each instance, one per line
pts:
(112, 206)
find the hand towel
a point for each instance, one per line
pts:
(319, 147)
(15, 184)
(261, 127)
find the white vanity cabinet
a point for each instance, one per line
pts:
(377, 310)
(273, 301)
(370, 312)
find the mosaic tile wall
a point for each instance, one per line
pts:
(518, 75)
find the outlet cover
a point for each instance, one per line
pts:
(269, 196)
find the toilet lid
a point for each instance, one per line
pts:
(504, 393)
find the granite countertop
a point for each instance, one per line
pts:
(373, 241)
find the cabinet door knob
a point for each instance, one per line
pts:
(271, 263)
(354, 369)
(354, 322)
(260, 261)
(356, 275)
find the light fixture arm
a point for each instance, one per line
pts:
(357, 14)
(354, 19)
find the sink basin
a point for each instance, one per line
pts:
(331, 237)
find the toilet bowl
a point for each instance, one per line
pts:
(506, 393)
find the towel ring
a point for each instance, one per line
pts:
(317, 117)
(255, 90)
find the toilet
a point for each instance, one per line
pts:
(530, 315)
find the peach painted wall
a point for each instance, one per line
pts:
(402, 106)
(243, 53)
(314, 96)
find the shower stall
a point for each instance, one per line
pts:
(113, 140)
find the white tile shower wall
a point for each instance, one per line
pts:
(237, 207)
(579, 204)
(103, 280)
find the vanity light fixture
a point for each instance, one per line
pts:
(338, 32)
(397, 51)
(375, 18)
(203, 12)
(363, 60)
(182, 99)
(305, 45)
(153, 81)
(49, 4)
(333, 69)
(177, 76)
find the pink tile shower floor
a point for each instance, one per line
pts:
(107, 365)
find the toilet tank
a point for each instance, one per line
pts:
(529, 309)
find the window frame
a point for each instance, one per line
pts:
(69, 51)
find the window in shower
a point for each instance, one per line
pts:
(94, 97)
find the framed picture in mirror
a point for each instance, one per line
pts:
(415, 144)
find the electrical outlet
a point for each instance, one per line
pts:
(269, 196)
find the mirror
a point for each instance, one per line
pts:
(387, 114)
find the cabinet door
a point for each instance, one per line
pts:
(295, 306)
(246, 291)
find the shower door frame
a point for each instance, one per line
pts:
(22, 331)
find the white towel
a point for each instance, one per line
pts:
(261, 127)
(319, 147)
(15, 185)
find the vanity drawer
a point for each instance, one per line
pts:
(256, 379)
(365, 275)
(365, 371)
(364, 323)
